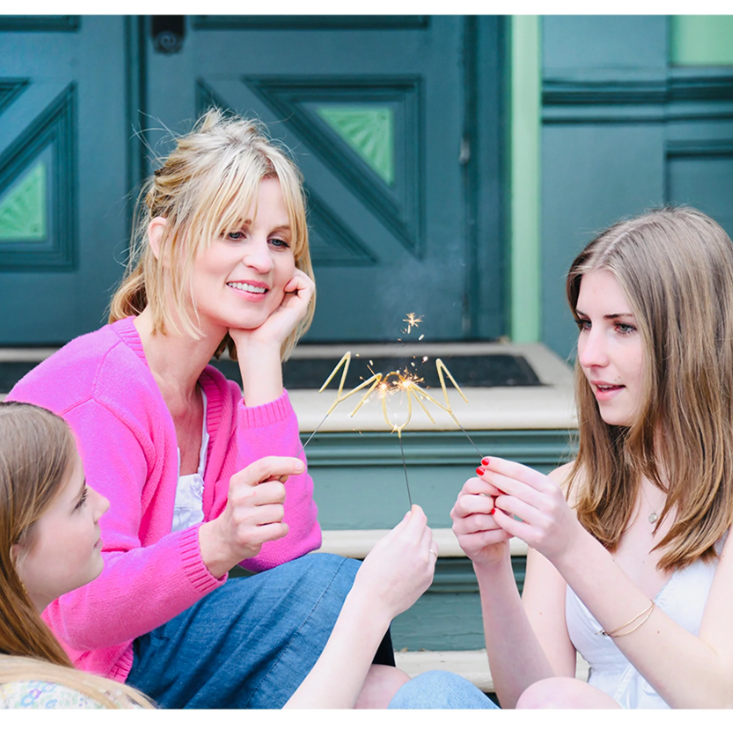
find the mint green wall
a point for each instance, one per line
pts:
(608, 117)
(524, 178)
(701, 40)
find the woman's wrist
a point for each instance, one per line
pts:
(261, 370)
(213, 552)
(362, 604)
(572, 558)
(489, 568)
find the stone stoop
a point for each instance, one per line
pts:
(471, 663)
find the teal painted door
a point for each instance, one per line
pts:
(63, 174)
(378, 115)
(395, 122)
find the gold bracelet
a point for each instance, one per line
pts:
(647, 612)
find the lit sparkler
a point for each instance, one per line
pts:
(395, 382)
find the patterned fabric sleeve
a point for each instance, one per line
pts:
(48, 695)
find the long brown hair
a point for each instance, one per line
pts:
(36, 456)
(675, 267)
(37, 451)
(202, 188)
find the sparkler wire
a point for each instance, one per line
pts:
(404, 465)
(312, 434)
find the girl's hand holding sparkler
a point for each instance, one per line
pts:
(397, 571)
(480, 536)
(253, 515)
(399, 568)
(531, 506)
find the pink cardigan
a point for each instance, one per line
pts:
(102, 385)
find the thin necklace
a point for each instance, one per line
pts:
(654, 516)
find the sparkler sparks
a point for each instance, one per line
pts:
(412, 321)
(391, 383)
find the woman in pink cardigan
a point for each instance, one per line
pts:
(201, 478)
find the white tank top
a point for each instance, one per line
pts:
(683, 599)
(189, 504)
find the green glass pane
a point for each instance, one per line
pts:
(701, 40)
(23, 208)
(367, 130)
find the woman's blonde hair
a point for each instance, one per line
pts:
(37, 451)
(675, 267)
(203, 189)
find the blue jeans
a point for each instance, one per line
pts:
(438, 689)
(248, 644)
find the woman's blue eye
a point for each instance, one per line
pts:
(279, 242)
(235, 236)
(625, 327)
(582, 324)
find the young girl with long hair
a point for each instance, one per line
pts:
(50, 545)
(630, 561)
(203, 476)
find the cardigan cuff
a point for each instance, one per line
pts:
(196, 571)
(267, 414)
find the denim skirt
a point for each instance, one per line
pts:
(249, 643)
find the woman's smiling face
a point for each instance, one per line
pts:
(240, 278)
(610, 347)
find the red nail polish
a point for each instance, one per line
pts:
(480, 471)
(485, 461)
(493, 509)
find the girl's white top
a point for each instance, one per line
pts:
(683, 599)
(189, 505)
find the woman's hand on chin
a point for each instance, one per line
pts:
(297, 294)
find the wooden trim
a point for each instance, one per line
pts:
(40, 23)
(135, 109)
(700, 148)
(311, 22)
(626, 97)
(540, 448)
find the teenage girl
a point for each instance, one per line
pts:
(630, 561)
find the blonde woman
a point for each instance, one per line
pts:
(201, 477)
(630, 561)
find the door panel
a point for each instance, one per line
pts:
(62, 174)
(375, 118)
(375, 109)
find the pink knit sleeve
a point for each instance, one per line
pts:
(272, 430)
(141, 587)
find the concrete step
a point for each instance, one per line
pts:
(356, 543)
(472, 664)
